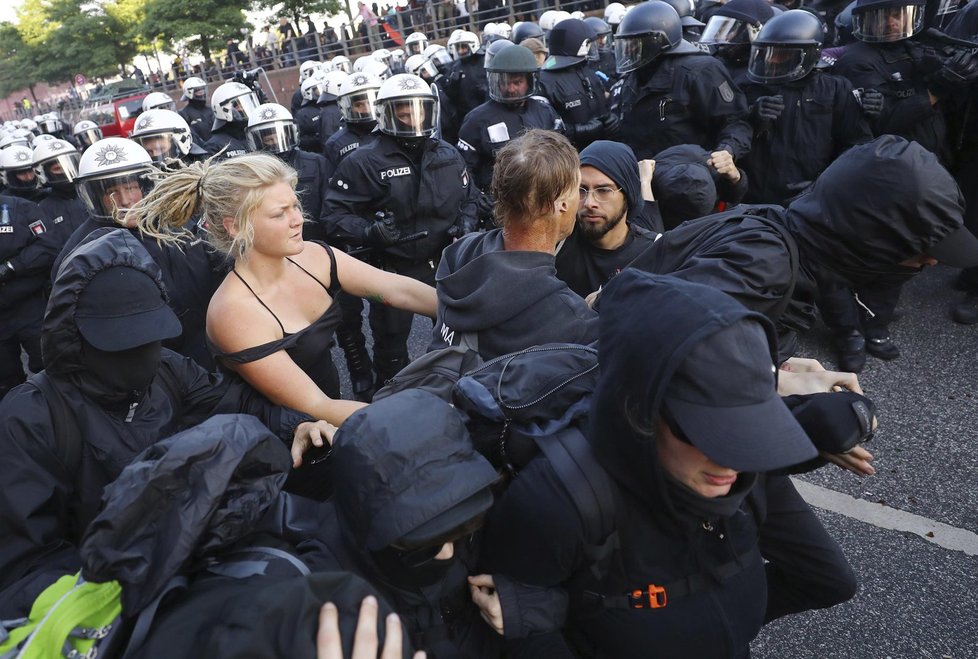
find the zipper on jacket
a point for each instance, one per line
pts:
(131, 413)
(662, 108)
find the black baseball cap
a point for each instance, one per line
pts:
(122, 308)
(724, 399)
(440, 527)
(958, 249)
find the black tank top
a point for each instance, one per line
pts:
(309, 347)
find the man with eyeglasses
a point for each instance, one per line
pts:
(615, 220)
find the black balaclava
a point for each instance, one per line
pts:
(124, 375)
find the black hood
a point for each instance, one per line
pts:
(632, 380)
(61, 342)
(392, 476)
(617, 161)
(877, 205)
(475, 269)
(184, 498)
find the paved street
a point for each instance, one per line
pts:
(917, 598)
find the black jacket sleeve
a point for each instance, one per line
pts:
(350, 190)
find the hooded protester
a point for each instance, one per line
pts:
(108, 391)
(777, 261)
(909, 214)
(688, 426)
(407, 506)
(689, 182)
(498, 290)
(615, 223)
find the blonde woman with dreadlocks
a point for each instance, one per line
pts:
(272, 319)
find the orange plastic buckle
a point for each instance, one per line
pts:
(656, 597)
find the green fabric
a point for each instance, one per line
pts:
(64, 607)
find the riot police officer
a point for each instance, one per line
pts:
(605, 64)
(573, 88)
(86, 133)
(731, 30)
(25, 260)
(56, 166)
(803, 117)
(672, 92)
(272, 129)
(466, 85)
(511, 110)
(232, 104)
(166, 137)
(198, 116)
(417, 183)
(17, 172)
(330, 118)
(158, 101)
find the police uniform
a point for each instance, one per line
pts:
(228, 140)
(688, 99)
(466, 86)
(200, 118)
(578, 96)
(344, 142)
(900, 71)
(313, 172)
(330, 121)
(307, 122)
(491, 126)
(821, 119)
(26, 246)
(432, 193)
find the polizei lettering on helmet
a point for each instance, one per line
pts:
(395, 171)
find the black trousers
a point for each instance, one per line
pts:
(391, 327)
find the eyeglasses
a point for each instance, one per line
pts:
(601, 194)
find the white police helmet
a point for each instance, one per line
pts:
(164, 134)
(113, 174)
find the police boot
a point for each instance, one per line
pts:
(880, 345)
(966, 311)
(388, 367)
(851, 348)
(357, 363)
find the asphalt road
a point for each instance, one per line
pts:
(918, 597)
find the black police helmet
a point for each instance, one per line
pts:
(600, 27)
(843, 25)
(570, 43)
(648, 30)
(787, 48)
(685, 10)
(873, 21)
(525, 31)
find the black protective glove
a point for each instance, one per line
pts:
(835, 422)
(586, 132)
(611, 123)
(6, 272)
(871, 101)
(961, 68)
(767, 108)
(382, 232)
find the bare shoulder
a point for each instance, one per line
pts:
(236, 320)
(314, 258)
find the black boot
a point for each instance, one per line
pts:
(966, 311)
(880, 345)
(851, 348)
(357, 363)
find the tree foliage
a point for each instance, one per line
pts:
(16, 61)
(198, 25)
(65, 37)
(295, 10)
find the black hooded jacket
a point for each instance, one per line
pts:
(44, 508)
(535, 535)
(190, 275)
(510, 299)
(389, 483)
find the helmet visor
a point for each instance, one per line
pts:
(160, 146)
(198, 93)
(882, 24)
(416, 47)
(724, 29)
(313, 92)
(21, 178)
(51, 125)
(273, 138)
(634, 52)
(507, 87)
(241, 107)
(342, 65)
(408, 117)
(109, 197)
(359, 107)
(59, 169)
(88, 137)
(773, 63)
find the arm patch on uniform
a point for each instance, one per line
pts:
(464, 146)
(726, 92)
(37, 227)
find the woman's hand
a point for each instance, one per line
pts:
(309, 434)
(484, 595)
(807, 376)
